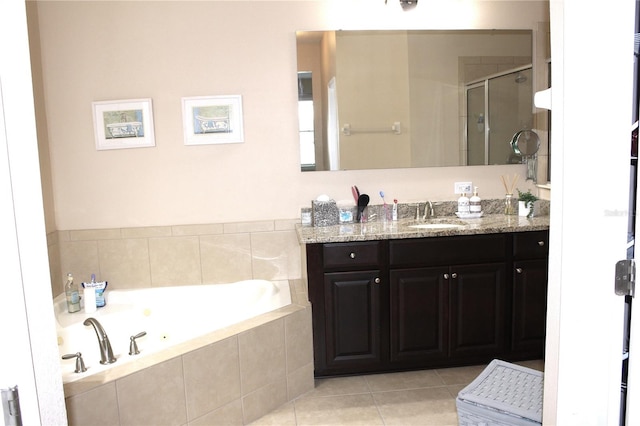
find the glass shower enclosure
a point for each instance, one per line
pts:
(498, 106)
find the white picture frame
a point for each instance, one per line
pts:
(212, 120)
(123, 124)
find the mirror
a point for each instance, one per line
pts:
(418, 98)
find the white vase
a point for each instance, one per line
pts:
(523, 210)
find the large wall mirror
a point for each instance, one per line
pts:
(394, 99)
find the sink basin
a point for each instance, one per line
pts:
(443, 225)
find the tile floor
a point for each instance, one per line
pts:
(420, 398)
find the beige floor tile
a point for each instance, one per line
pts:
(338, 410)
(283, 416)
(423, 407)
(339, 386)
(460, 375)
(536, 364)
(404, 380)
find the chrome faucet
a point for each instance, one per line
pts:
(428, 210)
(106, 353)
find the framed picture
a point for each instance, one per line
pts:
(123, 124)
(212, 120)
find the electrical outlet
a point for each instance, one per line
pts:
(460, 187)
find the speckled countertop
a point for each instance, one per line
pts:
(488, 224)
(492, 222)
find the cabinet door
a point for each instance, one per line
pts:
(477, 309)
(353, 319)
(418, 308)
(529, 307)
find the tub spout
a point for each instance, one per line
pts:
(106, 353)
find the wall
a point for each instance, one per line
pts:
(167, 50)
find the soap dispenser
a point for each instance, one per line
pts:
(474, 202)
(463, 204)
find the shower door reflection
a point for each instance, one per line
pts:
(506, 100)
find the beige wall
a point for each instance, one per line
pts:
(94, 51)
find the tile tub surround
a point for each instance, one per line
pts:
(176, 255)
(231, 376)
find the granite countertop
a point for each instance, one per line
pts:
(488, 224)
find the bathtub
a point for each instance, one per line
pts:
(170, 316)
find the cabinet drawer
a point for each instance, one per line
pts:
(351, 255)
(531, 245)
(448, 250)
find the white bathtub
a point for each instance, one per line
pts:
(169, 316)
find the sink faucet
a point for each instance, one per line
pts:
(106, 353)
(428, 210)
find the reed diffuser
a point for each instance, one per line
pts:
(510, 202)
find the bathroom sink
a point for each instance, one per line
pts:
(442, 225)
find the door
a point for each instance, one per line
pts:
(590, 163)
(418, 308)
(477, 309)
(29, 356)
(353, 319)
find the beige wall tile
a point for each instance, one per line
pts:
(298, 339)
(264, 400)
(147, 232)
(275, 255)
(260, 226)
(98, 407)
(94, 234)
(153, 396)
(80, 258)
(212, 377)
(262, 356)
(230, 414)
(57, 283)
(206, 229)
(125, 263)
(225, 258)
(175, 261)
(300, 381)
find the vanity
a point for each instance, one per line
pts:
(390, 296)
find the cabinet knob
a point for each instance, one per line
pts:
(352, 255)
(377, 280)
(446, 276)
(541, 243)
(454, 275)
(519, 270)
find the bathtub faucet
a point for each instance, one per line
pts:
(106, 353)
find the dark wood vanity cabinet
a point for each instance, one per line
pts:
(529, 305)
(448, 298)
(426, 302)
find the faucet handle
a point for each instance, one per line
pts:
(80, 368)
(133, 346)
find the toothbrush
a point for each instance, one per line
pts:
(385, 210)
(382, 196)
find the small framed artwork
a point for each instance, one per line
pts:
(212, 120)
(123, 124)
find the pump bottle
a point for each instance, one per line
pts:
(474, 202)
(72, 294)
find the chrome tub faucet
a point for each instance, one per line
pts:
(106, 353)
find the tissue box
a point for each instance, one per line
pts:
(324, 213)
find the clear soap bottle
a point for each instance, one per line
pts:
(73, 295)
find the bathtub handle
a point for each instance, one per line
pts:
(80, 368)
(133, 345)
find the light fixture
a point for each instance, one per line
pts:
(406, 4)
